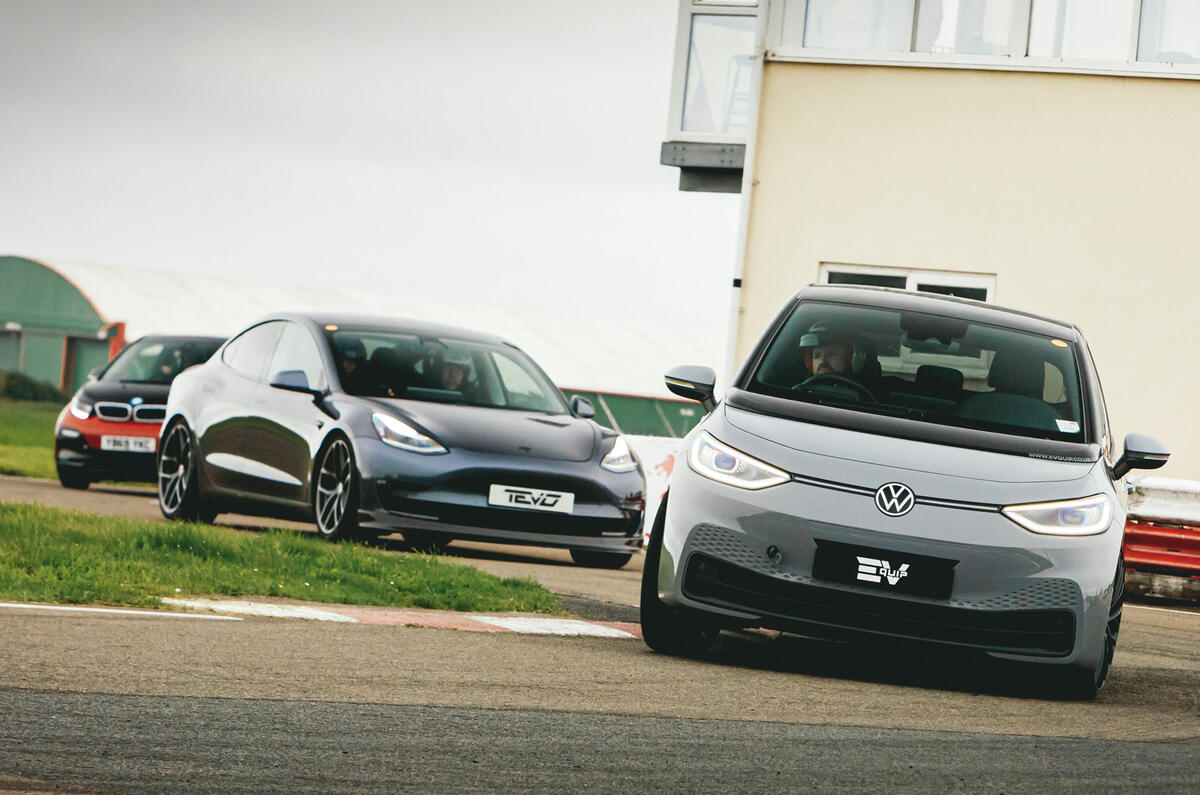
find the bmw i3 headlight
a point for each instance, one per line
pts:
(1084, 517)
(80, 408)
(720, 462)
(620, 457)
(400, 434)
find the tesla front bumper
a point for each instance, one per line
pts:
(449, 494)
(749, 558)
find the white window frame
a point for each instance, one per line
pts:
(683, 42)
(795, 11)
(915, 276)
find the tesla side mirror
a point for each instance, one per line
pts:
(293, 381)
(582, 407)
(1141, 452)
(94, 373)
(693, 382)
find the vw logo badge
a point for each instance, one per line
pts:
(894, 499)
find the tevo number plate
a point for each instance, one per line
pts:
(531, 499)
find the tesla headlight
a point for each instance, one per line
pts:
(81, 408)
(400, 434)
(620, 457)
(1084, 517)
(722, 463)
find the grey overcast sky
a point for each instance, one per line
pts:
(501, 152)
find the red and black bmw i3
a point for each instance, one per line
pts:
(109, 430)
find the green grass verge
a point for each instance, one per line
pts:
(27, 424)
(31, 462)
(27, 438)
(51, 555)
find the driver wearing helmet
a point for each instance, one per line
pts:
(456, 363)
(351, 358)
(827, 352)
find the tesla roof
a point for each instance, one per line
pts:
(605, 354)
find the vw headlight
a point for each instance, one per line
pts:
(400, 434)
(81, 408)
(620, 457)
(722, 463)
(1084, 517)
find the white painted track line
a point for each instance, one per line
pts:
(268, 609)
(113, 610)
(1164, 610)
(551, 626)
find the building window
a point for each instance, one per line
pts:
(858, 24)
(1170, 32)
(1085, 29)
(976, 286)
(974, 27)
(1148, 37)
(717, 94)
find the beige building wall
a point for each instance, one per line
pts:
(1080, 192)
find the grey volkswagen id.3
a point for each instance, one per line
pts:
(901, 465)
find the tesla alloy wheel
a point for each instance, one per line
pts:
(178, 496)
(335, 498)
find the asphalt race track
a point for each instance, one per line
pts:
(96, 702)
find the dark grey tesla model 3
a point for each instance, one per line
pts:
(370, 425)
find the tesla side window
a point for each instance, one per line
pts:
(926, 367)
(297, 352)
(158, 361)
(521, 389)
(249, 352)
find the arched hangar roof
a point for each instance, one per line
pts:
(604, 354)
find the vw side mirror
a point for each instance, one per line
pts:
(694, 383)
(582, 408)
(1141, 452)
(94, 373)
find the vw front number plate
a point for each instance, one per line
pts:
(884, 570)
(128, 444)
(532, 499)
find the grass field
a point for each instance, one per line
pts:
(27, 438)
(51, 555)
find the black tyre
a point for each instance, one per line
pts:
(600, 560)
(335, 496)
(71, 479)
(178, 494)
(1086, 682)
(666, 629)
(426, 541)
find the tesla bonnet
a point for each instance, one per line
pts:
(947, 476)
(371, 425)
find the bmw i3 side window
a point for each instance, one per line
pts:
(249, 352)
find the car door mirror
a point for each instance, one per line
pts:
(94, 373)
(582, 408)
(1141, 452)
(693, 382)
(293, 381)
